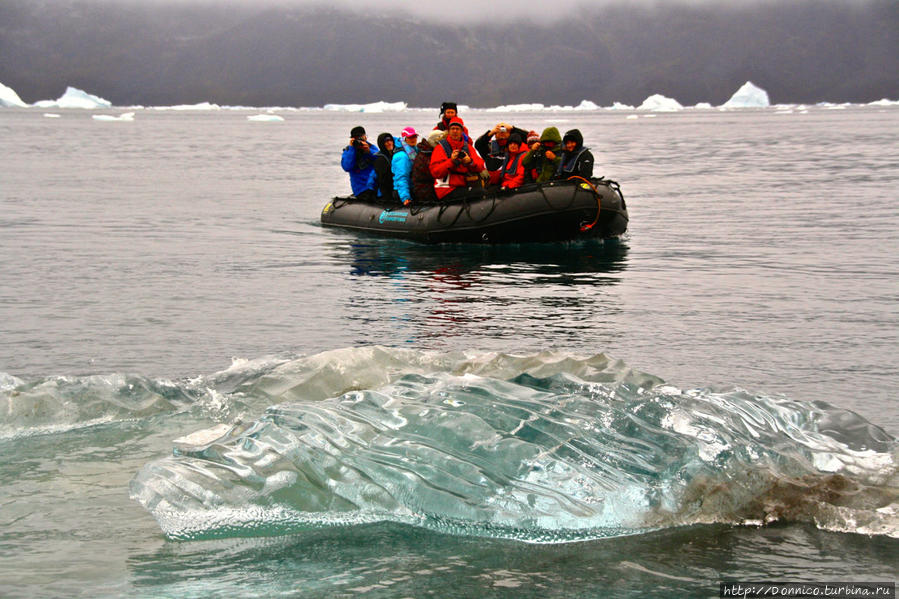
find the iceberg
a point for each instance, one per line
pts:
(832, 106)
(538, 447)
(126, 117)
(265, 118)
(748, 96)
(660, 103)
(537, 107)
(373, 107)
(200, 106)
(9, 98)
(620, 106)
(75, 98)
(587, 105)
(583, 106)
(534, 107)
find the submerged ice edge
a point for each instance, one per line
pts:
(532, 459)
(248, 387)
(60, 404)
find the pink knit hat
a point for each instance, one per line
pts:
(408, 132)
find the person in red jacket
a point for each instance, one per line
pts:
(512, 172)
(455, 165)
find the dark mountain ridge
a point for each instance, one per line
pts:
(800, 52)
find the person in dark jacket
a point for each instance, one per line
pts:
(382, 177)
(543, 157)
(422, 179)
(492, 144)
(448, 110)
(577, 161)
(358, 159)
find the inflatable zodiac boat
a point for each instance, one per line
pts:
(554, 211)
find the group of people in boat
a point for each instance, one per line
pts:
(446, 164)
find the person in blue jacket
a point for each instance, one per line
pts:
(402, 165)
(358, 160)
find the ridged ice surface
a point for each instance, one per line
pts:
(542, 448)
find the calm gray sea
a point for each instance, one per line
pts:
(168, 275)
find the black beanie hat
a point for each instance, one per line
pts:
(446, 105)
(357, 131)
(515, 138)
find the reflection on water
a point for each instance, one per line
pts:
(413, 293)
(388, 257)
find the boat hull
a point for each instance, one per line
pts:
(556, 211)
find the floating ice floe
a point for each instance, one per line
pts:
(620, 106)
(703, 106)
(832, 106)
(9, 98)
(517, 108)
(51, 115)
(373, 107)
(526, 447)
(127, 117)
(748, 96)
(200, 106)
(537, 107)
(660, 103)
(75, 98)
(265, 118)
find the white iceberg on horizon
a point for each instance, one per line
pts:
(587, 105)
(75, 98)
(265, 118)
(660, 103)
(584, 106)
(200, 106)
(884, 102)
(534, 107)
(620, 106)
(373, 107)
(9, 98)
(125, 117)
(748, 96)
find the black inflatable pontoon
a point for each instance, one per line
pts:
(555, 211)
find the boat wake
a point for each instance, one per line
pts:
(545, 447)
